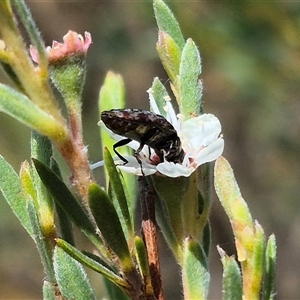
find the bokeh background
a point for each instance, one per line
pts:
(251, 72)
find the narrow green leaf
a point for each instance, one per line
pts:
(169, 53)
(172, 198)
(50, 291)
(166, 22)
(249, 235)
(11, 190)
(112, 95)
(142, 259)
(71, 277)
(206, 239)
(32, 30)
(6, 10)
(106, 264)
(206, 178)
(142, 256)
(92, 264)
(232, 280)
(121, 202)
(270, 266)
(160, 94)
(229, 193)
(109, 224)
(195, 275)
(44, 246)
(63, 220)
(27, 183)
(21, 108)
(11, 75)
(165, 225)
(190, 87)
(41, 149)
(195, 210)
(253, 266)
(114, 292)
(64, 198)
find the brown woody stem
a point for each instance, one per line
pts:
(149, 232)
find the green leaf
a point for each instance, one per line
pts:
(105, 263)
(160, 94)
(229, 193)
(92, 264)
(189, 85)
(112, 95)
(11, 190)
(165, 225)
(41, 149)
(11, 75)
(27, 183)
(114, 292)
(71, 277)
(171, 208)
(32, 30)
(50, 291)
(253, 266)
(142, 259)
(206, 239)
(64, 198)
(63, 220)
(249, 235)
(169, 53)
(121, 202)
(195, 210)
(21, 108)
(109, 224)
(44, 246)
(232, 281)
(166, 22)
(195, 275)
(270, 266)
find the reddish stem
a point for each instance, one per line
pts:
(149, 232)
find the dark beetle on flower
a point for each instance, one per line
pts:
(147, 128)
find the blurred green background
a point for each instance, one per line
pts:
(251, 72)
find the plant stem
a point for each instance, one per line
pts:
(75, 154)
(149, 232)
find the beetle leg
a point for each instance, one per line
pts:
(149, 151)
(119, 144)
(136, 154)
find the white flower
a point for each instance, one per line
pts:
(200, 138)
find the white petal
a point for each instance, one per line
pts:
(171, 115)
(137, 171)
(211, 152)
(97, 165)
(174, 170)
(134, 167)
(200, 131)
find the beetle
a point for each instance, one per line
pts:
(147, 128)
